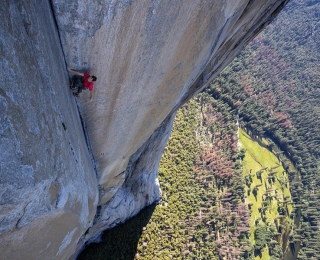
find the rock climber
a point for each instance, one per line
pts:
(82, 81)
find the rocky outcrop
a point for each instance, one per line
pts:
(60, 187)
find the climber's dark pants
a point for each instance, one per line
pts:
(76, 84)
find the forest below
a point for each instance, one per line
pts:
(240, 176)
(274, 84)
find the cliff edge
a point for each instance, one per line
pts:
(66, 176)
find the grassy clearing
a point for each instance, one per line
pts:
(267, 194)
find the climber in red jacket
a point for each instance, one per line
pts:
(82, 81)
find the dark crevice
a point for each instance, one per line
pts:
(58, 198)
(97, 216)
(87, 139)
(24, 211)
(80, 116)
(57, 27)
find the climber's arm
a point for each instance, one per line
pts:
(76, 72)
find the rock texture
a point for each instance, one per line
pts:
(48, 186)
(150, 57)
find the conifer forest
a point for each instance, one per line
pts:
(240, 176)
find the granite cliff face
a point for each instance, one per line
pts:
(48, 186)
(61, 186)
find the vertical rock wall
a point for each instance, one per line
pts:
(150, 57)
(140, 188)
(48, 187)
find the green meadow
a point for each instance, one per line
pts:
(267, 193)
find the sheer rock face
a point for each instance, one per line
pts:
(48, 186)
(150, 57)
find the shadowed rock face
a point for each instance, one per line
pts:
(150, 57)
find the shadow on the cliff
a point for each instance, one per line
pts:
(119, 243)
